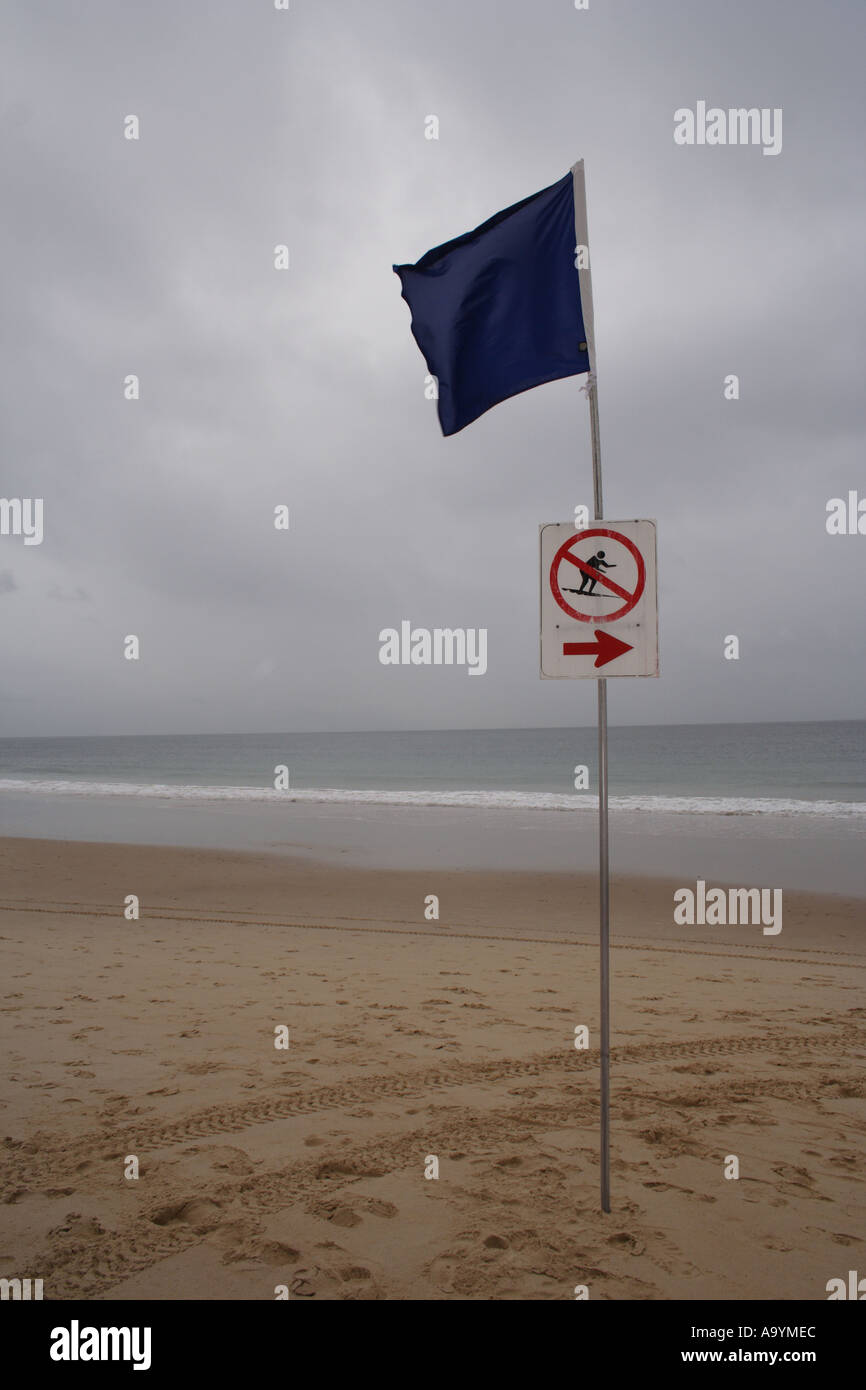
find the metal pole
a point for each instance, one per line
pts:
(604, 943)
(581, 231)
(603, 858)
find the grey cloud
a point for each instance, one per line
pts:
(76, 595)
(305, 387)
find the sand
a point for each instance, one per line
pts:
(305, 1167)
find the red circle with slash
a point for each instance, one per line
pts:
(564, 553)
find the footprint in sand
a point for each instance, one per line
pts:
(81, 1227)
(234, 1161)
(341, 1216)
(274, 1252)
(312, 1280)
(199, 1213)
(624, 1240)
(774, 1243)
(838, 1237)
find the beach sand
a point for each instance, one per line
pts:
(305, 1167)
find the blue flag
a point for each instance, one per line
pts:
(498, 310)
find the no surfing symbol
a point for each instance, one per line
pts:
(593, 571)
(603, 577)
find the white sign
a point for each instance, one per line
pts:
(599, 606)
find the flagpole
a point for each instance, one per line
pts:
(581, 228)
(603, 856)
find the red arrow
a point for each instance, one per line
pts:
(605, 648)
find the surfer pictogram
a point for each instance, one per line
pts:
(595, 562)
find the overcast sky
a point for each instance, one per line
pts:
(305, 387)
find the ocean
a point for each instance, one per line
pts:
(813, 769)
(746, 803)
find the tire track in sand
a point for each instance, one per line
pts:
(810, 955)
(31, 1162)
(237, 1206)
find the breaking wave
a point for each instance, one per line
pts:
(485, 800)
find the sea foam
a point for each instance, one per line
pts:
(484, 800)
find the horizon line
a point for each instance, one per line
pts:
(449, 729)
